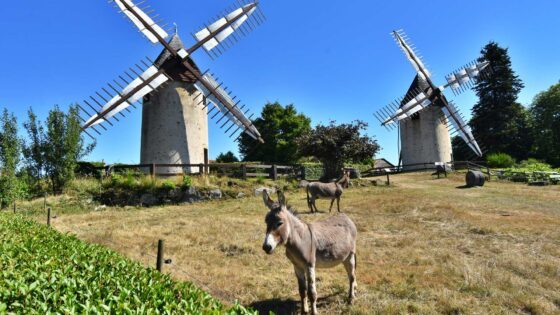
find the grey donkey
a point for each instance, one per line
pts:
(327, 190)
(322, 244)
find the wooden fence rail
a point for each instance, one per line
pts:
(244, 171)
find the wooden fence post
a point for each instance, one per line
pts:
(274, 172)
(388, 180)
(49, 217)
(244, 171)
(201, 169)
(159, 262)
(153, 170)
(206, 167)
(15, 207)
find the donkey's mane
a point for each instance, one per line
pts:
(293, 211)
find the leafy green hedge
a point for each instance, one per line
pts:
(43, 271)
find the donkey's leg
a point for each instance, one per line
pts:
(312, 290)
(313, 200)
(350, 266)
(338, 203)
(332, 202)
(302, 285)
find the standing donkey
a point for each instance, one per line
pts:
(327, 190)
(321, 244)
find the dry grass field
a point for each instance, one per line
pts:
(424, 246)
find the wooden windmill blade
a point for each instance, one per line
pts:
(226, 107)
(141, 20)
(463, 79)
(411, 53)
(463, 130)
(139, 85)
(413, 105)
(217, 37)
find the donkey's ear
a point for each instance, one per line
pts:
(267, 200)
(282, 198)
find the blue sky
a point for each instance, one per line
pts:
(332, 59)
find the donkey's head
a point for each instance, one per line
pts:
(344, 181)
(277, 222)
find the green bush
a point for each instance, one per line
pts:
(187, 181)
(43, 271)
(500, 160)
(168, 185)
(89, 169)
(534, 165)
(260, 180)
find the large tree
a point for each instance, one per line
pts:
(33, 149)
(498, 121)
(280, 127)
(546, 117)
(63, 146)
(335, 145)
(10, 156)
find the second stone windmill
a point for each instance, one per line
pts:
(176, 94)
(425, 117)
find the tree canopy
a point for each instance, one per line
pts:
(546, 119)
(10, 156)
(280, 127)
(498, 121)
(228, 157)
(54, 150)
(335, 145)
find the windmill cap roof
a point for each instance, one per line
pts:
(175, 69)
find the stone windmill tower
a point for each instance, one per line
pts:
(174, 127)
(425, 117)
(177, 96)
(424, 137)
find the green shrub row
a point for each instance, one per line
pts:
(45, 272)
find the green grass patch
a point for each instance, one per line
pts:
(43, 271)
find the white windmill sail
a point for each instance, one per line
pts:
(416, 104)
(229, 110)
(463, 130)
(142, 21)
(146, 83)
(411, 53)
(239, 16)
(465, 76)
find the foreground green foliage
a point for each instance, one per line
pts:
(43, 271)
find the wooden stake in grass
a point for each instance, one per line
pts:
(49, 217)
(159, 262)
(15, 207)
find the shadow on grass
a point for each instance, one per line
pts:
(464, 187)
(277, 306)
(289, 307)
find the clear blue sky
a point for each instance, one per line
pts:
(332, 59)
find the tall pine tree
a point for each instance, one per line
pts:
(498, 121)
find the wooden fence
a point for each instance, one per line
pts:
(244, 171)
(429, 166)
